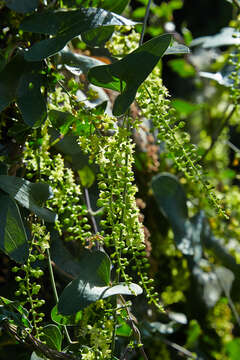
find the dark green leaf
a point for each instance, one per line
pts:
(52, 336)
(95, 272)
(14, 313)
(127, 74)
(30, 100)
(171, 200)
(61, 121)
(61, 256)
(66, 25)
(29, 195)
(22, 6)
(13, 238)
(90, 286)
(21, 81)
(97, 37)
(65, 320)
(116, 6)
(80, 63)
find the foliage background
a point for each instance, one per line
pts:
(201, 303)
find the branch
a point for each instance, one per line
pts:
(36, 344)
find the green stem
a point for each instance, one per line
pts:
(53, 283)
(145, 22)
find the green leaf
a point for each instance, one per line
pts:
(30, 100)
(52, 336)
(65, 320)
(127, 74)
(97, 37)
(182, 68)
(61, 121)
(14, 313)
(171, 200)
(22, 6)
(29, 195)
(13, 238)
(184, 108)
(232, 348)
(87, 176)
(116, 6)
(61, 256)
(21, 81)
(80, 63)
(66, 25)
(90, 286)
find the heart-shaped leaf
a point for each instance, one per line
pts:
(65, 25)
(29, 195)
(22, 81)
(90, 286)
(127, 74)
(52, 336)
(13, 238)
(22, 6)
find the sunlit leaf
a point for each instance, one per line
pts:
(28, 195)
(13, 238)
(127, 74)
(52, 336)
(92, 285)
(65, 25)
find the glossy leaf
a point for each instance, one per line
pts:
(52, 336)
(171, 200)
(97, 37)
(127, 74)
(14, 313)
(177, 48)
(28, 195)
(61, 256)
(65, 25)
(116, 6)
(92, 285)
(22, 6)
(21, 81)
(224, 38)
(81, 63)
(13, 238)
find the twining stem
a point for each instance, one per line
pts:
(53, 283)
(93, 220)
(145, 22)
